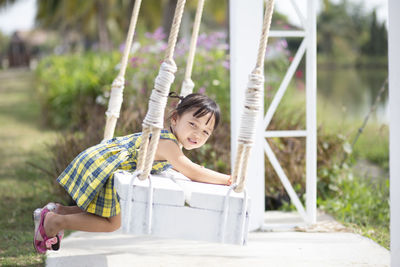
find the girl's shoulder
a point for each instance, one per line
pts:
(166, 134)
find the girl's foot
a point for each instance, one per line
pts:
(49, 224)
(52, 207)
(42, 242)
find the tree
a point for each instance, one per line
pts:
(376, 44)
(342, 29)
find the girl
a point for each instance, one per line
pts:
(89, 177)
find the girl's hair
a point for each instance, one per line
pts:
(201, 103)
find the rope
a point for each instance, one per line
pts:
(188, 84)
(243, 171)
(252, 106)
(159, 97)
(117, 87)
(176, 23)
(238, 160)
(131, 32)
(150, 154)
(361, 129)
(143, 147)
(264, 34)
(187, 87)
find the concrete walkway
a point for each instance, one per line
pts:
(326, 244)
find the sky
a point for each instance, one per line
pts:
(21, 15)
(286, 7)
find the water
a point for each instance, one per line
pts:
(353, 91)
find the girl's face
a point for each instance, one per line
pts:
(190, 131)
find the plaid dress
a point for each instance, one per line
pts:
(89, 177)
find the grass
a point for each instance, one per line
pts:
(361, 202)
(362, 205)
(22, 187)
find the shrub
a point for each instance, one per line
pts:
(67, 84)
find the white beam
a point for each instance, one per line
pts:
(285, 181)
(311, 113)
(285, 82)
(246, 18)
(288, 133)
(287, 33)
(394, 111)
(298, 12)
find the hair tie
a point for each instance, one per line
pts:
(175, 95)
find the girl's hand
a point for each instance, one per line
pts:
(229, 182)
(170, 151)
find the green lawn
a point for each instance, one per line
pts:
(22, 187)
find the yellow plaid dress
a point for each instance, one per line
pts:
(89, 177)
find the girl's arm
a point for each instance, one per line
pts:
(170, 151)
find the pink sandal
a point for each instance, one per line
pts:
(41, 241)
(51, 206)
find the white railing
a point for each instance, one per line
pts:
(308, 48)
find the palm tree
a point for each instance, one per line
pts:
(89, 18)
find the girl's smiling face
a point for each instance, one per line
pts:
(190, 131)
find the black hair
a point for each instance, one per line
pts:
(202, 103)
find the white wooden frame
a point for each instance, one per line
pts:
(245, 15)
(308, 47)
(246, 18)
(394, 111)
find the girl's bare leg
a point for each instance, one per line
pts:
(64, 210)
(82, 221)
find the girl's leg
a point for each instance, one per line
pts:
(64, 210)
(82, 221)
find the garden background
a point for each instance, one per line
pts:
(54, 95)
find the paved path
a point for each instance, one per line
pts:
(317, 248)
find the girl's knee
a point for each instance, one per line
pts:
(115, 222)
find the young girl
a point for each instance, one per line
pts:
(89, 177)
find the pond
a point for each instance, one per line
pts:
(352, 91)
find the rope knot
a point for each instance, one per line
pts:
(118, 82)
(187, 87)
(116, 97)
(159, 95)
(252, 105)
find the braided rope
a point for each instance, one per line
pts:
(176, 23)
(117, 87)
(188, 84)
(151, 153)
(131, 32)
(264, 34)
(238, 160)
(243, 170)
(159, 96)
(143, 147)
(252, 105)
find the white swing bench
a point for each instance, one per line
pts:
(171, 206)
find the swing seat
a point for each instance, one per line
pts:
(182, 209)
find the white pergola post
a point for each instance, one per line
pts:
(311, 113)
(394, 111)
(245, 21)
